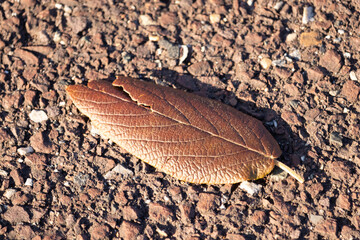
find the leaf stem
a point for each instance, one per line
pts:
(289, 171)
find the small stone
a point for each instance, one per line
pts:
(353, 76)
(30, 96)
(146, 20)
(250, 187)
(168, 18)
(315, 74)
(16, 215)
(129, 230)
(265, 63)
(215, 18)
(331, 60)
(77, 24)
(41, 142)
(308, 15)
(28, 182)
(160, 213)
(18, 179)
(25, 150)
(9, 193)
(118, 170)
(187, 212)
(99, 231)
(350, 91)
(208, 203)
(253, 38)
(308, 39)
(327, 228)
(354, 43)
(174, 52)
(200, 68)
(13, 100)
(130, 213)
(282, 72)
(291, 118)
(343, 202)
(28, 57)
(291, 89)
(21, 232)
(336, 139)
(94, 192)
(291, 37)
(3, 173)
(184, 53)
(258, 218)
(81, 179)
(339, 171)
(38, 116)
(315, 219)
(334, 93)
(314, 189)
(349, 233)
(355, 220)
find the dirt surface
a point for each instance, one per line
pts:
(297, 73)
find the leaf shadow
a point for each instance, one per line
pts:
(291, 144)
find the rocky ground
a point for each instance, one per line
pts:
(292, 65)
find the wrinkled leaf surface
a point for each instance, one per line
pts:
(189, 137)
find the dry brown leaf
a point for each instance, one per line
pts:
(189, 137)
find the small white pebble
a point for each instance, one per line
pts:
(346, 110)
(146, 20)
(118, 169)
(147, 201)
(347, 55)
(265, 63)
(250, 2)
(57, 37)
(38, 116)
(28, 182)
(278, 5)
(341, 31)
(66, 184)
(154, 38)
(67, 9)
(3, 173)
(166, 198)
(25, 150)
(215, 18)
(308, 15)
(275, 123)
(20, 160)
(353, 76)
(291, 37)
(250, 187)
(9, 193)
(185, 53)
(58, 5)
(302, 158)
(337, 40)
(161, 232)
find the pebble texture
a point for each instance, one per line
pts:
(305, 92)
